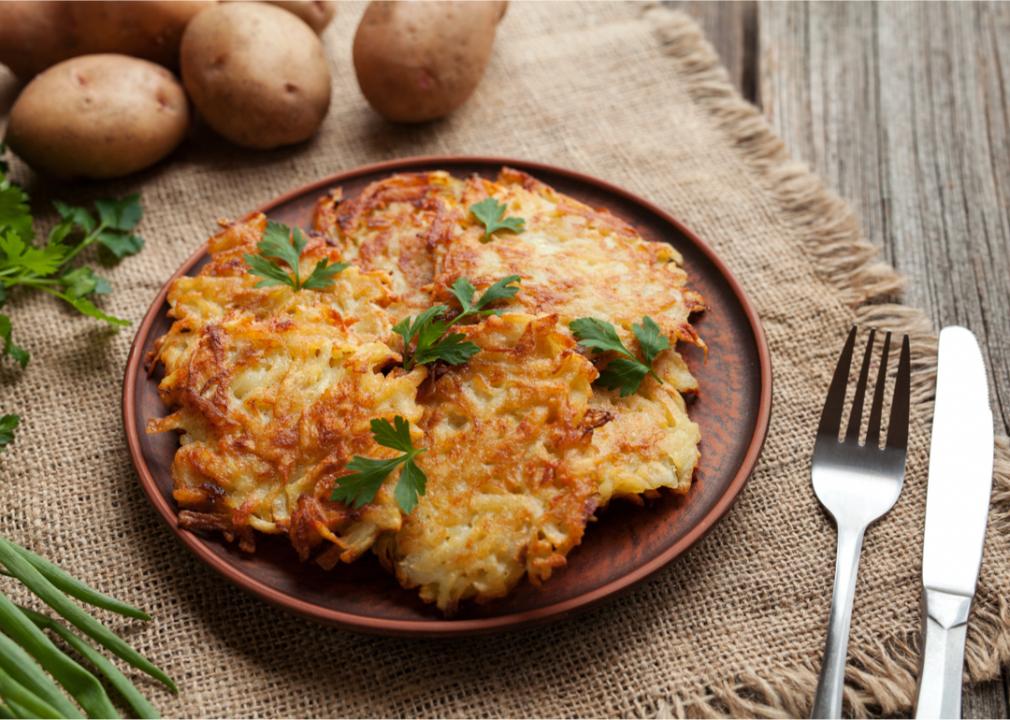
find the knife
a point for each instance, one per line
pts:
(957, 507)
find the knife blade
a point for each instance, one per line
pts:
(957, 508)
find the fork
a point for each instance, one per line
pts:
(857, 483)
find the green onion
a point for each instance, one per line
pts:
(82, 685)
(34, 580)
(117, 679)
(18, 693)
(75, 588)
(23, 669)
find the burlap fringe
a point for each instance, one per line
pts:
(879, 680)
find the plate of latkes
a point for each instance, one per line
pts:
(447, 395)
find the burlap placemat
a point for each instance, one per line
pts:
(634, 95)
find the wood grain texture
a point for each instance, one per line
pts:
(904, 108)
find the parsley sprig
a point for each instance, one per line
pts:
(491, 215)
(624, 373)
(359, 488)
(49, 267)
(8, 424)
(428, 329)
(285, 245)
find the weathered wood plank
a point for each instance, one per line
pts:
(731, 27)
(905, 109)
(985, 700)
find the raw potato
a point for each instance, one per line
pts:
(256, 73)
(36, 35)
(98, 116)
(419, 61)
(317, 13)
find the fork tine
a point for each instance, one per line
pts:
(856, 416)
(877, 408)
(897, 426)
(831, 415)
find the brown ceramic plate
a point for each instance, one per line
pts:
(627, 543)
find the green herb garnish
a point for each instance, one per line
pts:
(8, 424)
(428, 330)
(626, 372)
(18, 354)
(285, 245)
(47, 267)
(491, 215)
(359, 488)
(37, 677)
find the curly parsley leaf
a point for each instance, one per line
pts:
(280, 246)
(491, 214)
(360, 487)
(624, 373)
(8, 424)
(17, 354)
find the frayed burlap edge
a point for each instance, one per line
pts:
(880, 679)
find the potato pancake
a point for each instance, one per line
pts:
(274, 385)
(393, 225)
(274, 391)
(574, 261)
(501, 499)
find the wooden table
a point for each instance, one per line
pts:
(904, 108)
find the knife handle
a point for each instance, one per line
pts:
(945, 627)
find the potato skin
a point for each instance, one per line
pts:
(36, 35)
(257, 74)
(316, 13)
(98, 116)
(418, 61)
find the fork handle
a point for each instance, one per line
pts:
(945, 627)
(828, 698)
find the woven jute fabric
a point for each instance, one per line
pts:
(632, 94)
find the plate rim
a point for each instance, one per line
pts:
(449, 627)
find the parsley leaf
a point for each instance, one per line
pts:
(464, 290)
(121, 214)
(650, 339)
(8, 423)
(627, 372)
(15, 215)
(17, 354)
(491, 214)
(119, 244)
(454, 349)
(285, 245)
(75, 215)
(82, 281)
(47, 267)
(360, 487)
(21, 259)
(429, 330)
(322, 274)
